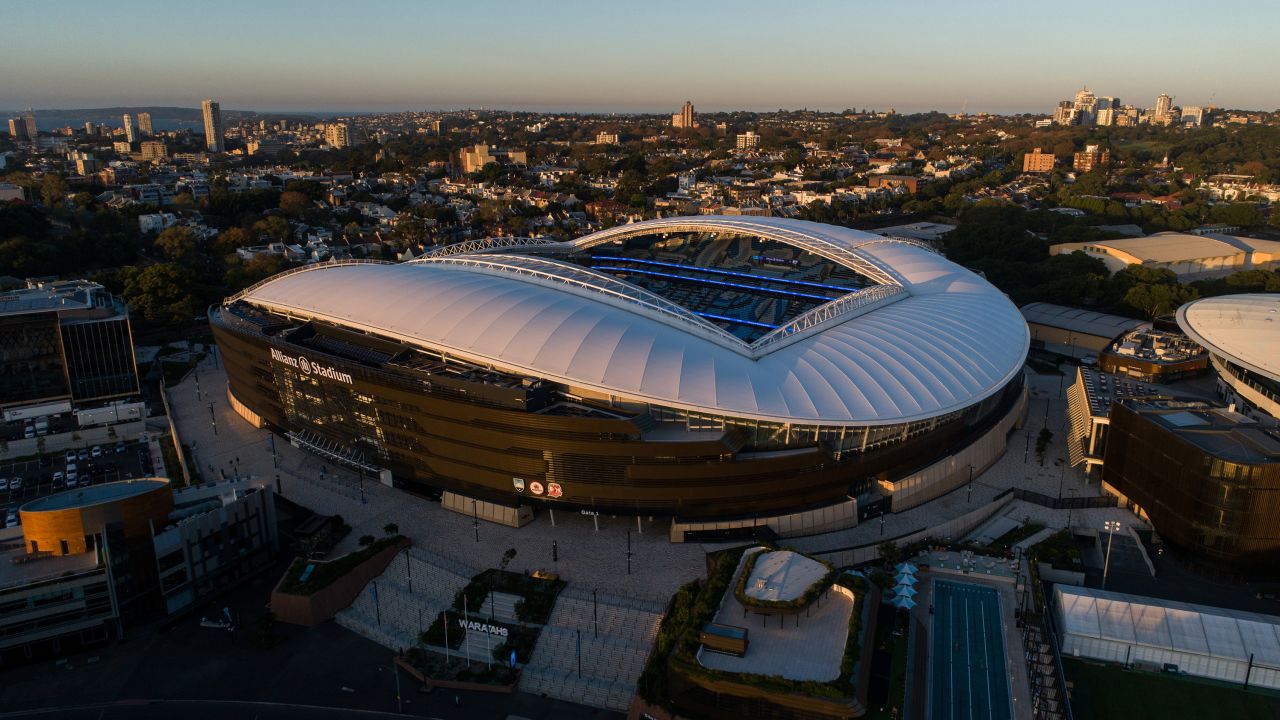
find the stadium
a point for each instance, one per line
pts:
(722, 371)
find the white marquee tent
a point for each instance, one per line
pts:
(1205, 641)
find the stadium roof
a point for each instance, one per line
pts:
(1245, 329)
(930, 338)
(1175, 247)
(1169, 625)
(1086, 322)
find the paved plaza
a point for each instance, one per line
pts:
(806, 646)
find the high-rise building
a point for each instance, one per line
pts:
(748, 140)
(1038, 162)
(90, 129)
(1191, 115)
(1086, 106)
(684, 118)
(212, 125)
(1091, 157)
(130, 135)
(475, 158)
(17, 129)
(144, 124)
(1065, 113)
(32, 131)
(337, 135)
(1164, 104)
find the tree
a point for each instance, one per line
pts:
(52, 189)
(890, 553)
(293, 203)
(274, 226)
(391, 529)
(178, 244)
(230, 239)
(366, 540)
(161, 294)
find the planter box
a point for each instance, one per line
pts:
(323, 604)
(457, 684)
(1056, 575)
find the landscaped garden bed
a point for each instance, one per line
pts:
(458, 673)
(323, 574)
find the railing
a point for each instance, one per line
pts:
(1063, 503)
(483, 245)
(842, 308)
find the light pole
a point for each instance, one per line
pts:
(970, 497)
(213, 420)
(1111, 526)
(595, 613)
(628, 552)
(475, 519)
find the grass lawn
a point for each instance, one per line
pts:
(1106, 692)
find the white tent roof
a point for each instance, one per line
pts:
(1169, 625)
(944, 341)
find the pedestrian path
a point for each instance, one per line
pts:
(593, 649)
(396, 607)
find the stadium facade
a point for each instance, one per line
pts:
(713, 369)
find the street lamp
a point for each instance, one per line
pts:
(1111, 526)
(970, 498)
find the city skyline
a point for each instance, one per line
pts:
(724, 57)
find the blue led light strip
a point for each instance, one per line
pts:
(739, 321)
(717, 271)
(721, 283)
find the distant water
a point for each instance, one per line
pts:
(49, 122)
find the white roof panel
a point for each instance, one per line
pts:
(947, 340)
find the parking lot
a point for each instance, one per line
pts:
(30, 428)
(30, 479)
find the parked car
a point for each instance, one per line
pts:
(58, 477)
(96, 452)
(15, 484)
(119, 448)
(29, 432)
(83, 454)
(70, 457)
(11, 518)
(71, 481)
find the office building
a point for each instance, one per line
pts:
(337, 135)
(1091, 158)
(1240, 333)
(145, 129)
(648, 369)
(1089, 413)
(1192, 116)
(476, 157)
(748, 140)
(212, 112)
(29, 119)
(90, 561)
(64, 341)
(1208, 478)
(684, 118)
(1037, 161)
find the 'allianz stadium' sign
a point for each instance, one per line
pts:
(494, 630)
(310, 368)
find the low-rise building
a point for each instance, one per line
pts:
(1075, 332)
(1190, 256)
(1037, 161)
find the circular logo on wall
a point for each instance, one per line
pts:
(554, 490)
(304, 364)
(535, 487)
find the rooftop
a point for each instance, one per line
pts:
(925, 338)
(16, 569)
(1079, 320)
(58, 295)
(1174, 247)
(1218, 431)
(94, 495)
(783, 575)
(1244, 329)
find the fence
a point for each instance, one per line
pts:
(1064, 503)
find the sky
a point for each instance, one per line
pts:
(638, 56)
